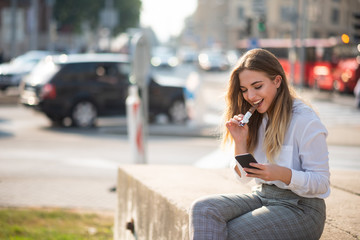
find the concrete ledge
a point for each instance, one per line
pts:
(157, 198)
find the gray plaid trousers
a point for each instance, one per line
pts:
(268, 213)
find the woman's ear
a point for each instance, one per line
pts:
(277, 81)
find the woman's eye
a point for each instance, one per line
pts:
(243, 90)
(258, 87)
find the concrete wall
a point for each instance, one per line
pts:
(155, 216)
(158, 197)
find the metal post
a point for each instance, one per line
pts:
(292, 50)
(135, 124)
(109, 6)
(49, 8)
(13, 27)
(302, 39)
(34, 24)
(140, 72)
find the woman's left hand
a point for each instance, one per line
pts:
(269, 172)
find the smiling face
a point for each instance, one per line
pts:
(257, 88)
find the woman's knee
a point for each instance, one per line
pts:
(206, 207)
(201, 206)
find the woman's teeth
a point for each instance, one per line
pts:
(257, 102)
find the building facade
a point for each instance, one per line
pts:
(23, 26)
(225, 23)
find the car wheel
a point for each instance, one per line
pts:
(55, 120)
(84, 114)
(177, 112)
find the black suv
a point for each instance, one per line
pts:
(82, 87)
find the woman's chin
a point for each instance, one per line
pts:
(259, 111)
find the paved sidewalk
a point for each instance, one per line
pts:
(343, 208)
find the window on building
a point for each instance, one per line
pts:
(285, 13)
(240, 34)
(316, 34)
(332, 34)
(335, 16)
(240, 13)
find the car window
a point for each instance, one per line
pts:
(78, 72)
(112, 73)
(107, 73)
(76, 68)
(124, 69)
(101, 72)
(42, 72)
(106, 69)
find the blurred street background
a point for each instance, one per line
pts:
(47, 161)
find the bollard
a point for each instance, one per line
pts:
(134, 124)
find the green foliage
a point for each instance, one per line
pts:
(129, 11)
(21, 224)
(70, 14)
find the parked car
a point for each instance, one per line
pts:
(216, 60)
(347, 71)
(164, 57)
(82, 87)
(187, 55)
(347, 74)
(12, 72)
(322, 76)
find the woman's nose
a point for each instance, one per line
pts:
(251, 95)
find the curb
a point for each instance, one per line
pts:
(170, 130)
(338, 135)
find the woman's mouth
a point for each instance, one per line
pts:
(258, 103)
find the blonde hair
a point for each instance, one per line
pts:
(279, 112)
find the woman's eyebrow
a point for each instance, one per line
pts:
(252, 84)
(256, 82)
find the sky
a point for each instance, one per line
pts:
(166, 17)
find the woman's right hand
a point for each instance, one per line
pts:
(239, 133)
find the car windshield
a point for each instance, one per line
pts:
(27, 61)
(42, 71)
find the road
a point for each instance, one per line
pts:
(41, 165)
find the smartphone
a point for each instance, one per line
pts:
(245, 160)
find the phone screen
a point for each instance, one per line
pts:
(245, 160)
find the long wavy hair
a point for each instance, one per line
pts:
(279, 112)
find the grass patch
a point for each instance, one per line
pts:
(54, 224)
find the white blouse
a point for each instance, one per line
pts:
(304, 151)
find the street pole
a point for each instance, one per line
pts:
(49, 8)
(13, 28)
(302, 39)
(292, 50)
(34, 24)
(140, 53)
(109, 6)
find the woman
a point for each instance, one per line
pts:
(288, 141)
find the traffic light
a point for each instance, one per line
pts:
(356, 27)
(345, 38)
(262, 24)
(249, 22)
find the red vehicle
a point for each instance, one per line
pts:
(318, 63)
(347, 71)
(323, 76)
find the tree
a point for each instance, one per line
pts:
(70, 14)
(129, 11)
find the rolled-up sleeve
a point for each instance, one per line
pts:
(313, 180)
(243, 178)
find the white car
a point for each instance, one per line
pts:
(11, 73)
(210, 60)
